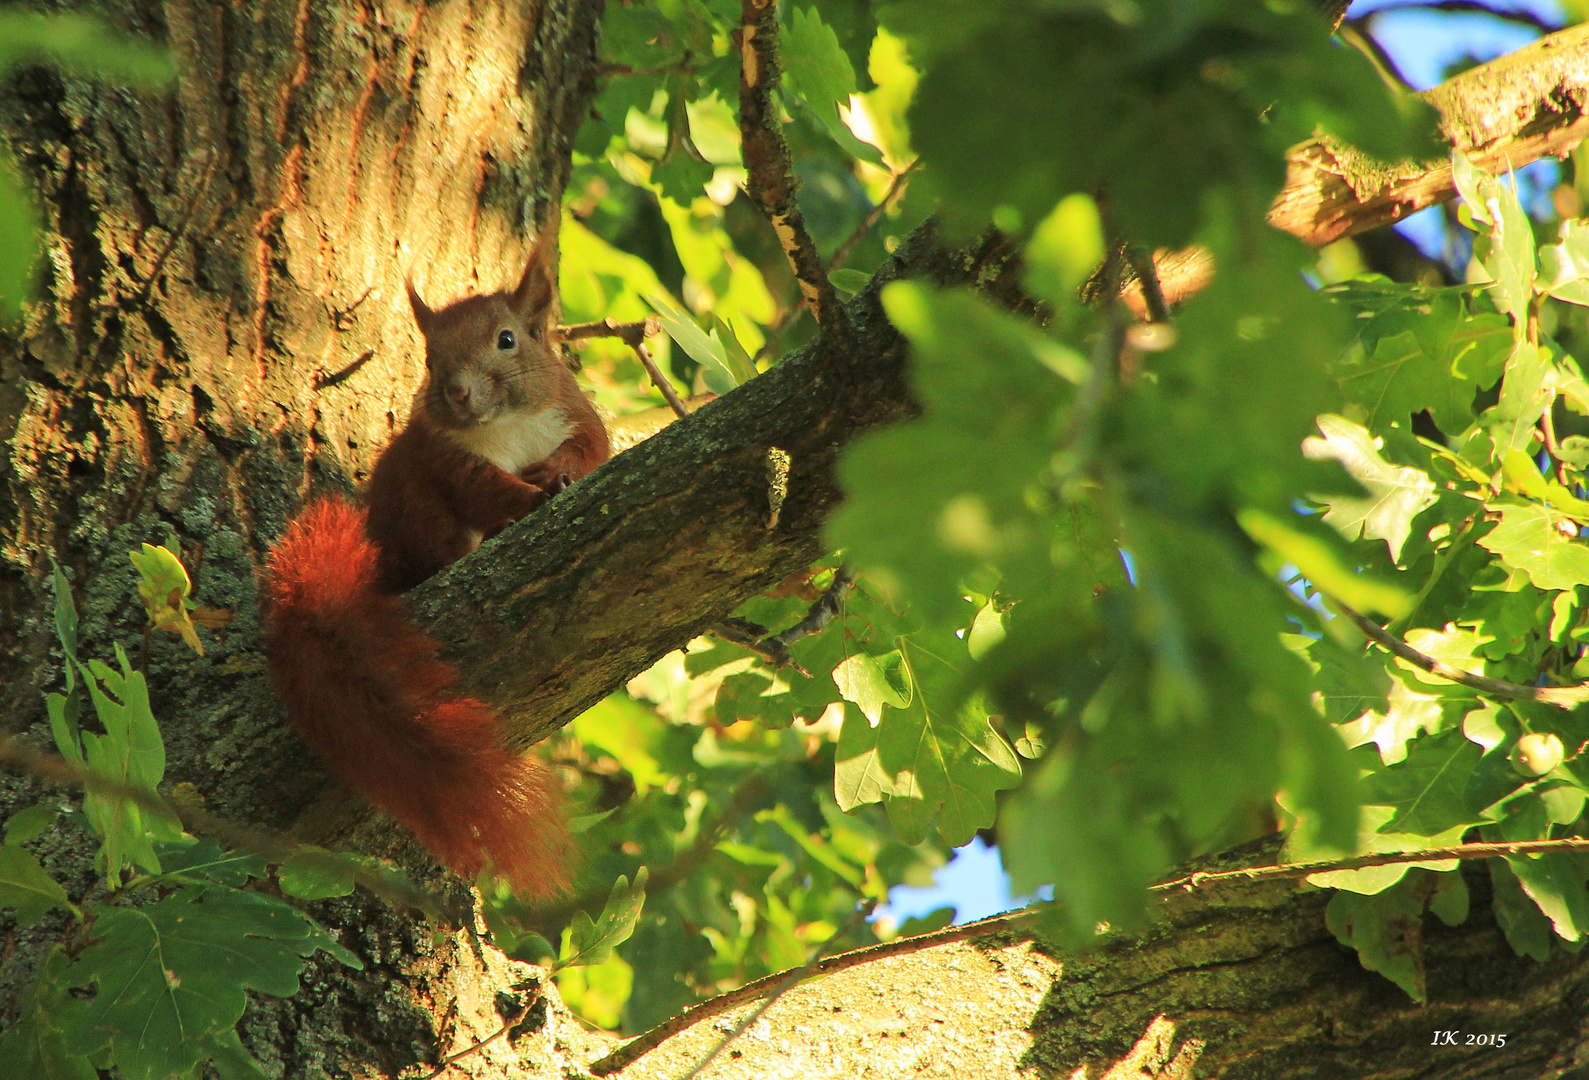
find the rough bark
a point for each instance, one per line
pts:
(669, 537)
(223, 329)
(1529, 104)
(1504, 114)
(1250, 972)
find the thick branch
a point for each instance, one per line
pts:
(669, 537)
(1253, 973)
(1504, 114)
(1530, 104)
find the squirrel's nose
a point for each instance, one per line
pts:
(458, 393)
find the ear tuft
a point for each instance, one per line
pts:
(537, 290)
(423, 315)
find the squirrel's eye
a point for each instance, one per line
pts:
(505, 339)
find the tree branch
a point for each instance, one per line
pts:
(1563, 697)
(770, 172)
(1502, 115)
(1529, 104)
(1283, 871)
(669, 537)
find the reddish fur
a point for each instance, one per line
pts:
(368, 692)
(581, 452)
(361, 683)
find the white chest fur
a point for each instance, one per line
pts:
(514, 441)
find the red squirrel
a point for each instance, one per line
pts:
(498, 427)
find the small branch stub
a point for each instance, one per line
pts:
(778, 462)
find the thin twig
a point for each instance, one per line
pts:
(1148, 276)
(1024, 923)
(774, 649)
(683, 67)
(274, 847)
(895, 189)
(633, 334)
(1563, 697)
(518, 1018)
(822, 611)
(773, 654)
(1381, 858)
(661, 381)
(1476, 7)
(769, 171)
(1358, 34)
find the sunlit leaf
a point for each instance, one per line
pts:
(1396, 494)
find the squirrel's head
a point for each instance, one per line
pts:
(494, 354)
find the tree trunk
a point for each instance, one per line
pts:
(224, 330)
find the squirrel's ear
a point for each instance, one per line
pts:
(422, 313)
(537, 290)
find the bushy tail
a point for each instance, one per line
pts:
(368, 692)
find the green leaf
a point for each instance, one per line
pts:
(1530, 538)
(1385, 930)
(1396, 494)
(1375, 879)
(1069, 827)
(231, 1061)
(163, 586)
(18, 245)
(25, 887)
(130, 753)
(30, 822)
(1348, 683)
(1066, 247)
(1427, 790)
(1508, 252)
(1427, 352)
(1404, 715)
(849, 282)
(744, 696)
(932, 758)
(629, 731)
(1525, 394)
(208, 860)
(1555, 881)
(35, 1045)
(855, 25)
(817, 71)
(591, 942)
(923, 510)
(1564, 265)
(1450, 900)
(869, 682)
(171, 975)
(313, 873)
(65, 619)
(704, 348)
(1020, 104)
(1526, 927)
(81, 42)
(1323, 566)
